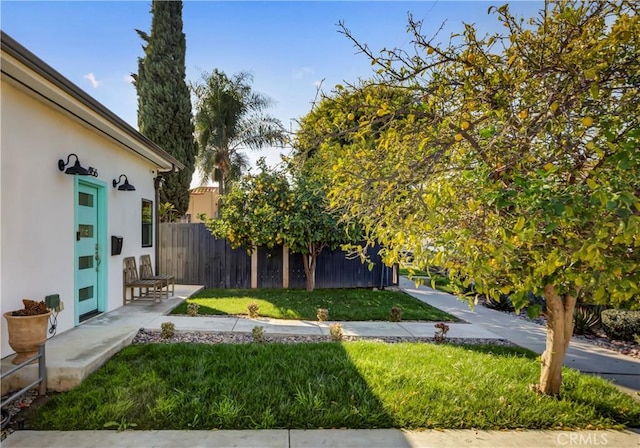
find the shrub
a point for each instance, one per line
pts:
(395, 314)
(504, 304)
(323, 314)
(621, 325)
(192, 309)
(584, 320)
(168, 329)
(441, 332)
(335, 330)
(258, 334)
(253, 310)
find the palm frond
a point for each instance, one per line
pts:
(229, 117)
(261, 131)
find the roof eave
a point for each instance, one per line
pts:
(50, 85)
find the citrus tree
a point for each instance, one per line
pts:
(510, 159)
(271, 208)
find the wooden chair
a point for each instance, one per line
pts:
(148, 289)
(146, 273)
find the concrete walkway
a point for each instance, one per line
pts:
(588, 358)
(282, 327)
(329, 438)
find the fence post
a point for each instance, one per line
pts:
(42, 370)
(254, 268)
(285, 267)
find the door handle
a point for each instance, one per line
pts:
(97, 258)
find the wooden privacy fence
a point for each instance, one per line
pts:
(195, 257)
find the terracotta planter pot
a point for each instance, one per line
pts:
(26, 333)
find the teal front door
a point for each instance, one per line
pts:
(87, 251)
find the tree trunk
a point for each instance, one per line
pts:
(224, 166)
(222, 184)
(559, 317)
(309, 262)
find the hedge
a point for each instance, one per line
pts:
(621, 324)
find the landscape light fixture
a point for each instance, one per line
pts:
(76, 168)
(126, 186)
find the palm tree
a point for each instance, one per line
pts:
(229, 118)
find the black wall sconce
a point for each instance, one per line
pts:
(126, 186)
(76, 168)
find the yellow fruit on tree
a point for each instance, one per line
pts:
(587, 121)
(471, 58)
(430, 50)
(523, 114)
(458, 137)
(464, 125)
(351, 116)
(554, 106)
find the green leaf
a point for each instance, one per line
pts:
(534, 311)
(519, 224)
(488, 132)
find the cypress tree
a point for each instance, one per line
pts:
(164, 104)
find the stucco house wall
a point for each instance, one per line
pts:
(202, 200)
(43, 121)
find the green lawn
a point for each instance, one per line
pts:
(330, 385)
(343, 304)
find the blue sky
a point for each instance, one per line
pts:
(287, 46)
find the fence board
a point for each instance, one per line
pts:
(270, 267)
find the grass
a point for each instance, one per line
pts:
(330, 385)
(343, 304)
(433, 279)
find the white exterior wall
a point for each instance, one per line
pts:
(37, 202)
